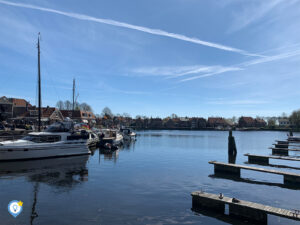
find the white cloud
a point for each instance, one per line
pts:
(253, 12)
(131, 26)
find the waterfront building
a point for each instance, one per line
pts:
(80, 116)
(217, 122)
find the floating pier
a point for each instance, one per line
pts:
(265, 159)
(240, 208)
(283, 151)
(234, 169)
(286, 142)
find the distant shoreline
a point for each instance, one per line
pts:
(215, 129)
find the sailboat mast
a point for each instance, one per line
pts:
(73, 108)
(39, 85)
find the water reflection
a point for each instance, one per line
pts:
(249, 181)
(61, 173)
(220, 216)
(58, 172)
(33, 210)
(109, 155)
(274, 165)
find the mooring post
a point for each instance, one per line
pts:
(231, 148)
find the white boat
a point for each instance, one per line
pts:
(128, 134)
(57, 141)
(110, 136)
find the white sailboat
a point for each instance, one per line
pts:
(60, 139)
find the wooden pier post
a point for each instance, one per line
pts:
(224, 169)
(231, 144)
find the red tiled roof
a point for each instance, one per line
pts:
(47, 112)
(212, 120)
(19, 102)
(247, 119)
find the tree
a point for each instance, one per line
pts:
(174, 116)
(271, 122)
(126, 115)
(60, 105)
(68, 105)
(234, 119)
(295, 118)
(107, 112)
(284, 115)
(85, 107)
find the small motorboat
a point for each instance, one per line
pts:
(128, 134)
(110, 136)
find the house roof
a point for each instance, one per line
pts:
(5, 100)
(19, 102)
(69, 113)
(47, 112)
(247, 119)
(213, 120)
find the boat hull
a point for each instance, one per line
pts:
(38, 152)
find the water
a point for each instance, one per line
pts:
(148, 182)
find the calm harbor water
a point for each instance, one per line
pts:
(148, 182)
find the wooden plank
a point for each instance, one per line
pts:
(255, 169)
(274, 157)
(249, 205)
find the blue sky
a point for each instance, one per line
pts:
(189, 57)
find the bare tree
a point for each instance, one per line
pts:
(107, 112)
(60, 105)
(68, 105)
(127, 115)
(85, 107)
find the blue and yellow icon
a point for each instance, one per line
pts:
(15, 207)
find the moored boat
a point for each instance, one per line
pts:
(128, 134)
(56, 141)
(110, 136)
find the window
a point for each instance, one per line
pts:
(42, 138)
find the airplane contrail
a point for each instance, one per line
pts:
(244, 65)
(133, 27)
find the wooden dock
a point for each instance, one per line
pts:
(287, 141)
(240, 208)
(265, 158)
(235, 169)
(287, 145)
(283, 151)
